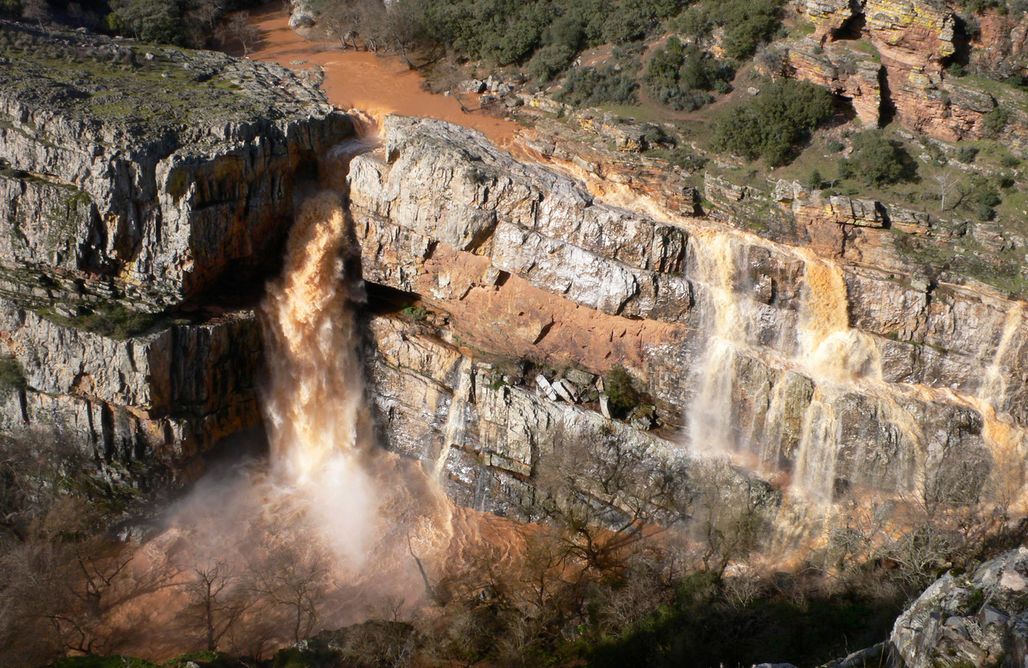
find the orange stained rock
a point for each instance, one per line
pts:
(371, 83)
(523, 320)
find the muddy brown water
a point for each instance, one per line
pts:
(369, 82)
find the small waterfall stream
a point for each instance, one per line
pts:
(844, 365)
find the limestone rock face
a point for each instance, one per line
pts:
(829, 16)
(977, 619)
(529, 221)
(723, 331)
(149, 172)
(503, 446)
(910, 31)
(159, 398)
(999, 49)
(134, 179)
(845, 71)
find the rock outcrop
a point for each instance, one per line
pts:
(973, 619)
(906, 47)
(999, 46)
(504, 445)
(157, 171)
(137, 184)
(846, 71)
(814, 349)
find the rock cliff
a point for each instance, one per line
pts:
(156, 169)
(814, 352)
(137, 185)
(892, 59)
(840, 372)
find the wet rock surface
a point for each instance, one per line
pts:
(492, 230)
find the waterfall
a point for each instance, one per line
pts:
(725, 318)
(1007, 443)
(365, 503)
(993, 389)
(314, 401)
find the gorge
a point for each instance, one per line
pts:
(445, 345)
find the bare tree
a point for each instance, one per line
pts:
(208, 12)
(946, 182)
(295, 578)
(216, 600)
(36, 10)
(343, 21)
(729, 520)
(402, 26)
(239, 29)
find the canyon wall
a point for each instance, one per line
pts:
(146, 194)
(814, 353)
(842, 374)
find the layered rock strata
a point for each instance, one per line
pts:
(906, 49)
(148, 172)
(845, 374)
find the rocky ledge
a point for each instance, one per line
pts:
(893, 58)
(156, 170)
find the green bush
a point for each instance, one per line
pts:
(746, 23)
(877, 161)
(994, 122)
(415, 313)
(815, 181)
(633, 20)
(149, 20)
(590, 86)
(967, 154)
(550, 61)
(513, 31)
(619, 387)
(772, 125)
(982, 198)
(680, 76)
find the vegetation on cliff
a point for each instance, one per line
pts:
(183, 22)
(773, 125)
(141, 88)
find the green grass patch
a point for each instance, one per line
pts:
(803, 28)
(142, 87)
(1007, 94)
(864, 46)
